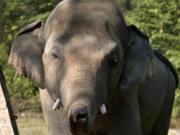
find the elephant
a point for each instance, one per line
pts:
(96, 75)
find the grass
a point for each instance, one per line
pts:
(31, 126)
(36, 126)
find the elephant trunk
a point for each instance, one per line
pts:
(79, 98)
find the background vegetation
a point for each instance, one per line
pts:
(159, 19)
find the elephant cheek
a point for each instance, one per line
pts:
(51, 82)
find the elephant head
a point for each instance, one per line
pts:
(78, 55)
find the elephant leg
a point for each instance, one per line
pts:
(127, 119)
(161, 126)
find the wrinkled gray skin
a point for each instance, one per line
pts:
(86, 55)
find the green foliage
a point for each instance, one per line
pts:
(159, 19)
(17, 13)
(176, 111)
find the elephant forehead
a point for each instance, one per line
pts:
(85, 11)
(90, 46)
(89, 59)
(82, 45)
(81, 18)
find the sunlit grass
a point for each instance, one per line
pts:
(31, 126)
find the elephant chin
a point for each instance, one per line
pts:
(79, 129)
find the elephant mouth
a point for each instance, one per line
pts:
(79, 119)
(79, 129)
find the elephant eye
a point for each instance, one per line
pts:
(113, 61)
(55, 55)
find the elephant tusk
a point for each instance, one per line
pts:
(56, 104)
(103, 109)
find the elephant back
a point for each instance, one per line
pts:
(168, 64)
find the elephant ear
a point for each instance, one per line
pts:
(137, 60)
(26, 53)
